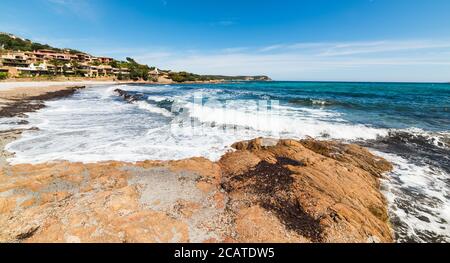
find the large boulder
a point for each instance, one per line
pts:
(308, 190)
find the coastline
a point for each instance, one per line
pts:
(16, 83)
(324, 191)
(18, 100)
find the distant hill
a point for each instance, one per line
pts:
(186, 76)
(240, 78)
(12, 42)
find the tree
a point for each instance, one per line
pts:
(137, 71)
(95, 63)
(58, 64)
(3, 75)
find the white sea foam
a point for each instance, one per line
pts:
(418, 199)
(146, 106)
(438, 139)
(319, 102)
(13, 123)
(284, 122)
(94, 126)
(157, 98)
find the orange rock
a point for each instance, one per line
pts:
(28, 203)
(257, 225)
(201, 166)
(265, 191)
(54, 197)
(219, 198)
(186, 208)
(7, 205)
(322, 191)
(205, 187)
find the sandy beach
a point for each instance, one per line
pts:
(5, 85)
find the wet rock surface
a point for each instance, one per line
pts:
(130, 98)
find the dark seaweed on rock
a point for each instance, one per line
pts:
(271, 183)
(317, 190)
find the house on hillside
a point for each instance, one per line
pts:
(81, 57)
(121, 73)
(105, 70)
(14, 59)
(154, 73)
(33, 70)
(88, 70)
(59, 62)
(104, 60)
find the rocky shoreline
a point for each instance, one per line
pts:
(265, 190)
(19, 101)
(290, 191)
(14, 106)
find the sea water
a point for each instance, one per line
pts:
(407, 123)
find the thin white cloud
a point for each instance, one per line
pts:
(354, 48)
(271, 48)
(153, 56)
(386, 60)
(234, 49)
(59, 2)
(381, 46)
(224, 23)
(81, 8)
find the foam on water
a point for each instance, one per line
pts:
(297, 125)
(146, 106)
(419, 201)
(13, 123)
(95, 125)
(438, 139)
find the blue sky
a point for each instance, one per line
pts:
(357, 40)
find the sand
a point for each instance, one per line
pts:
(19, 86)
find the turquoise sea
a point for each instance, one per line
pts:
(407, 123)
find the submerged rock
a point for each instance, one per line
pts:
(130, 98)
(265, 191)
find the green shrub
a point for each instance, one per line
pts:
(184, 76)
(3, 75)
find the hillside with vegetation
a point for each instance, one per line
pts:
(186, 76)
(137, 71)
(9, 42)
